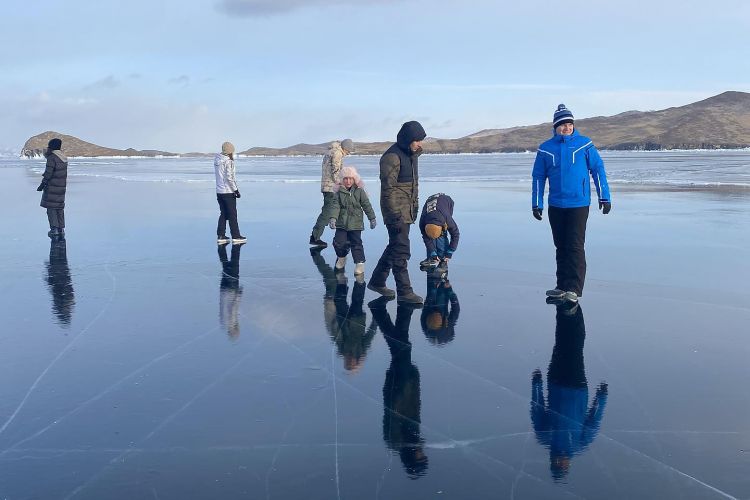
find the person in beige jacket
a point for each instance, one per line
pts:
(330, 177)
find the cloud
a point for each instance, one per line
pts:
(107, 83)
(252, 8)
(182, 80)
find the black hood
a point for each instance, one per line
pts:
(410, 132)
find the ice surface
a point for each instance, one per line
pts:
(141, 361)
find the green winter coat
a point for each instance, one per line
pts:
(348, 206)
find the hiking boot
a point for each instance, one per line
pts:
(359, 269)
(238, 240)
(317, 242)
(222, 239)
(53, 233)
(410, 298)
(568, 308)
(340, 263)
(382, 290)
(556, 301)
(379, 303)
(570, 296)
(429, 263)
(556, 293)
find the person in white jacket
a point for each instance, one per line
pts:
(227, 194)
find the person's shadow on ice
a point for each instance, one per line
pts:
(60, 283)
(345, 323)
(564, 423)
(230, 291)
(401, 391)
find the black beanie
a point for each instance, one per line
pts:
(55, 144)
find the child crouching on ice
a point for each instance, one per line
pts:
(350, 201)
(435, 224)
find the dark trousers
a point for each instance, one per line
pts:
(228, 213)
(395, 256)
(344, 240)
(325, 214)
(56, 217)
(569, 234)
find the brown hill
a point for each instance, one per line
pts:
(719, 122)
(73, 146)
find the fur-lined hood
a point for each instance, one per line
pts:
(349, 172)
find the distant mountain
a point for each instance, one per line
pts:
(73, 146)
(719, 122)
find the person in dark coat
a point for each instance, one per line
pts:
(570, 162)
(564, 423)
(60, 282)
(399, 204)
(53, 186)
(435, 224)
(401, 391)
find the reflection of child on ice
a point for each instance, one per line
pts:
(349, 203)
(436, 223)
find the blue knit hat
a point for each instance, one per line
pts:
(562, 115)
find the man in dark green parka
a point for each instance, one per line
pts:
(399, 203)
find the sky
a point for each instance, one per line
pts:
(186, 75)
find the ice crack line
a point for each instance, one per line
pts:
(63, 352)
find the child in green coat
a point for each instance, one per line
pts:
(350, 202)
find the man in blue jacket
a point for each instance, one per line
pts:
(568, 159)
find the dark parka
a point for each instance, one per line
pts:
(347, 207)
(399, 177)
(56, 178)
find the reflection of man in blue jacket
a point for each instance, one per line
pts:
(565, 424)
(568, 160)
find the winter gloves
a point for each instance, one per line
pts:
(537, 213)
(605, 206)
(332, 223)
(237, 194)
(42, 186)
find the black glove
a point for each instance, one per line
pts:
(605, 206)
(373, 223)
(602, 389)
(537, 213)
(237, 194)
(42, 186)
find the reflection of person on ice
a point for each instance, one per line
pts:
(440, 313)
(349, 203)
(565, 423)
(569, 160)
(402, 402)
(435, 224)
(230, 290)
(330, 176)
